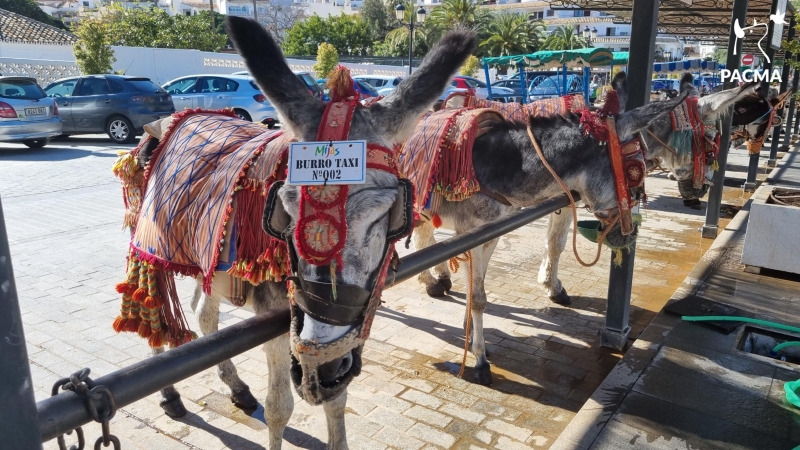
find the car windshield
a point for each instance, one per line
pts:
(474, 83)
(367, 88)
(146, 86)
(21, 89)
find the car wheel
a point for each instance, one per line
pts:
(242, 114)
(62, 136)
(271, 125)
(36, 143)
(120, 130)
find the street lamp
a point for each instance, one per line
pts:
(668, 56)
(400, 11)
(589, 35)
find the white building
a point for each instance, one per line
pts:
(244, 8)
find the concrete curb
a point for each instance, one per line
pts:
(591, 419)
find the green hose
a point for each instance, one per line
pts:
(765, 323)
(780, 347)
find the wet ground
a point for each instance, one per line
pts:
(64, 209)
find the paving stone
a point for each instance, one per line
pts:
(428, 416)
(421, 398)
(432, 435)
(505, 428)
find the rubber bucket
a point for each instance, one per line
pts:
(590, 229)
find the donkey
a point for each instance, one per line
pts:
(750, 110)
(322, 353)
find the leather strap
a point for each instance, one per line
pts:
(623, 194)
(494, 196)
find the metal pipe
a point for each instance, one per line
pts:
(523, 81)
(732, 63)
(67, 410)
(776, 133)
(411, 40)
(488, 81)
(787, 137)
(18, 418)
(440, 252)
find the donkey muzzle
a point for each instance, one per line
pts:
(340, 304)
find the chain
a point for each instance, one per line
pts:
(99, 402)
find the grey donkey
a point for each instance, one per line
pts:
(387, 123)
(505, 162)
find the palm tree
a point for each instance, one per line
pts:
(464, 13)
(512, 34)
(397, 39)
(564, 38)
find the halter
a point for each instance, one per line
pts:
(318, 238)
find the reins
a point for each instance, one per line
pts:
(454, 268)
(662, 142)
(601, 237)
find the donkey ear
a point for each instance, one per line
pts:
(298, 109)
(713, 105)
(631, 122)
(395, 115)
(620, 85)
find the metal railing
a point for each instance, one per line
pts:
(68, 410)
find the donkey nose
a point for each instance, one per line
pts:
(330, 371)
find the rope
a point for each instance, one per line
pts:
(661, 142)
(454, 268)
(601, 237)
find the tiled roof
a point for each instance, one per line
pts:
(17, 28)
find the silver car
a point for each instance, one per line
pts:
(26, 114)
(384, 84)
(238, 92)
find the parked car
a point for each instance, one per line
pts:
(26, 114)
(238, 92)
(364, 89)
(384, 84)
(552, 86)
(510, 83)
(113, 104)
(305, 77)
(669, 84)
(478, 88)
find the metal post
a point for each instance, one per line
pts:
(788, 134)
(19, 422)
(564, 83)
(411, 39)
(213, 17)
(522, 83)
(752, 167)
(488, 81)
(586, 74)
(732, 63)
(255, 11)
(776, 133)
(644, 26)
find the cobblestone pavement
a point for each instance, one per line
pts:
(63, 211)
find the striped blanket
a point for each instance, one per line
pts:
(203, 197)
(437, 157)
(516, 111)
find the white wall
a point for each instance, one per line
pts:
(159, 64)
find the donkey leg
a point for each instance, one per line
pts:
(557, 234)
(435, 287)
(208, 317)
(170, 398)
(334, 414)
(480, 263)
(279, 404)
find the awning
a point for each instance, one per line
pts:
(688, 65)
(503, 60)
(620, 58)
(592, 57)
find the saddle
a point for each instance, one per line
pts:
(516, 111)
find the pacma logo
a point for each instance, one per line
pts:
(749, 74)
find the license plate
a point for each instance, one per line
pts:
(35, 111)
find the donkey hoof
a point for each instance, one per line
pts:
(435, 290)
(562, 298)
(174, 407)
(446, 284)
(244, 399)
(483, 374)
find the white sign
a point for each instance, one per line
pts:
(779, 21)
(336, 162)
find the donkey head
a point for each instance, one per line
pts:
(676, 152)
(754, 112)
(326, 349)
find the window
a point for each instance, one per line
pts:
(21, 89)
(182, 86)
(188, 13)
(581, 13)
(214, 84)
(85, 4)
(538, 15)
(62, 89)
(611, 31)
(92, 86)
(550, 13)
(116, 87)
(237, 9)
(145, 86)
(474, 83)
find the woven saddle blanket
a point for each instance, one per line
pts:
(437, 158)
(518, 112)
(204, 197)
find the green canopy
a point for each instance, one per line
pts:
(552, 59)
(503, 60)
(620, 58)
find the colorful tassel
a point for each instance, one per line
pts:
(436, 221)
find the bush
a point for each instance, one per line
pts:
(327, 59)
(93, 53)
(471, 66)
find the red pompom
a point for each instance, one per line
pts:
(611, 106)
(436, 221)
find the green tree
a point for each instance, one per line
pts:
(471, 66)
(93, 53)
(425, 34)
(458, 13)
(154, 27)
(327, 59)
(720, 54)
(376, 15)
(350, 35)
(564, 38)
(30, 9)
(512, 34)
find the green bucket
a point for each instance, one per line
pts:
(591, 228)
